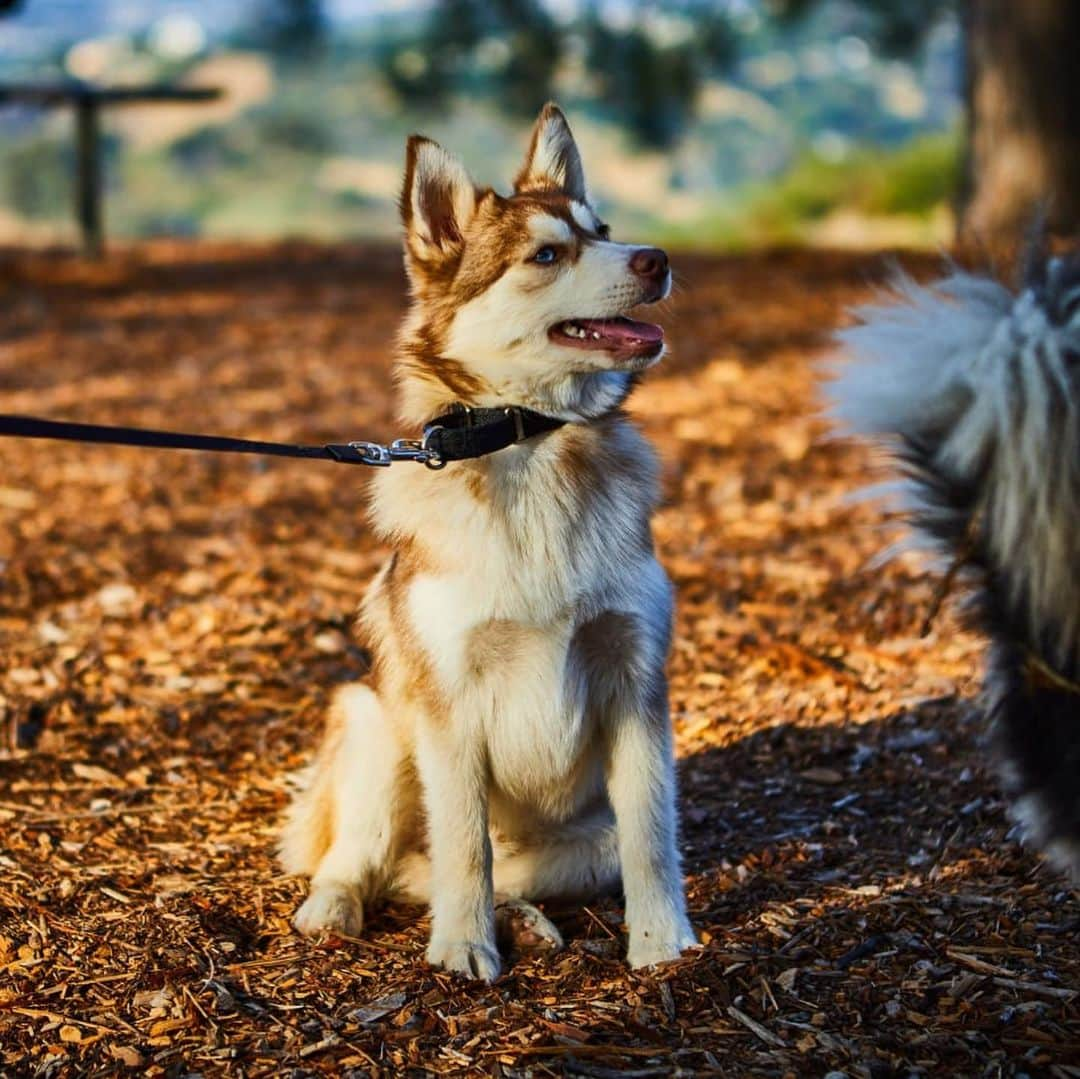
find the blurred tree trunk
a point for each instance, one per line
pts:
(1024, 113)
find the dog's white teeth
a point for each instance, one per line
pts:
(572, 329)
(595, 335)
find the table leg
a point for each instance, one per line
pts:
(89, 185)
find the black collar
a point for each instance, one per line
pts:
(464, 433)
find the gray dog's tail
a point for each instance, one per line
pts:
(976, 390)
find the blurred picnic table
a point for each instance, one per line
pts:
(88, 100)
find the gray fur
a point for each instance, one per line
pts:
(975, 390)
(981, 378)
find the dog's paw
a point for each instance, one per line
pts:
(650, 947)
(331, 908)
(522, 926)
(474, 959)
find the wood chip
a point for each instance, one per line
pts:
(756, 1028)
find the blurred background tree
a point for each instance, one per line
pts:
(510, 48)
(650, 81)
(1023, 95)
(1023, 104)
(647, 73)
(292, 30)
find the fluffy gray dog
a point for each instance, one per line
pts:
(976, 390)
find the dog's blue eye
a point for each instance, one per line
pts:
(546, 255)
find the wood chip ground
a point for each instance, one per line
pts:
(171, 626)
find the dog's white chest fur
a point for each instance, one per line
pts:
(513, 680)
(498, 618)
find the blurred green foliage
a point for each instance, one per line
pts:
(896, 27)
(35, 177)
(293, 30)
(511, 50)
(915, 180)
(910, 180)
(651, 86)
(300, 131)
(212, 148)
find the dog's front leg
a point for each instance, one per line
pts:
(454, 775)
(641, 786)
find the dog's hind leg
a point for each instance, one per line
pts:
(579, 859)
(521, 926)
(347, 828)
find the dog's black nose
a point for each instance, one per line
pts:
(650, 263)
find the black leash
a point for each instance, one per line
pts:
(461, 434)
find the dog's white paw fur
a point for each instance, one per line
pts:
(331, 908)
(473, 958)
(650, 947)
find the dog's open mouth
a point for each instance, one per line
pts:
(624, 337)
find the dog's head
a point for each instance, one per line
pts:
(522, 299)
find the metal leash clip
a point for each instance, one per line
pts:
(408, 449)
(434, 460)
(401, 449)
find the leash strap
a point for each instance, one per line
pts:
(461, 434)
(31, 427)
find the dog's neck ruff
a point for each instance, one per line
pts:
(464, 433)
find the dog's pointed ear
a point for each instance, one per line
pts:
(438, 200)
(553, 162)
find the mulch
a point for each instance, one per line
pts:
(171, 626)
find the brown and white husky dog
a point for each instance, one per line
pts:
(512, 741)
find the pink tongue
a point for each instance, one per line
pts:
(625, 330)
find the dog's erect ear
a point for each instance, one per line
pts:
(438, 200)
(553, 162)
